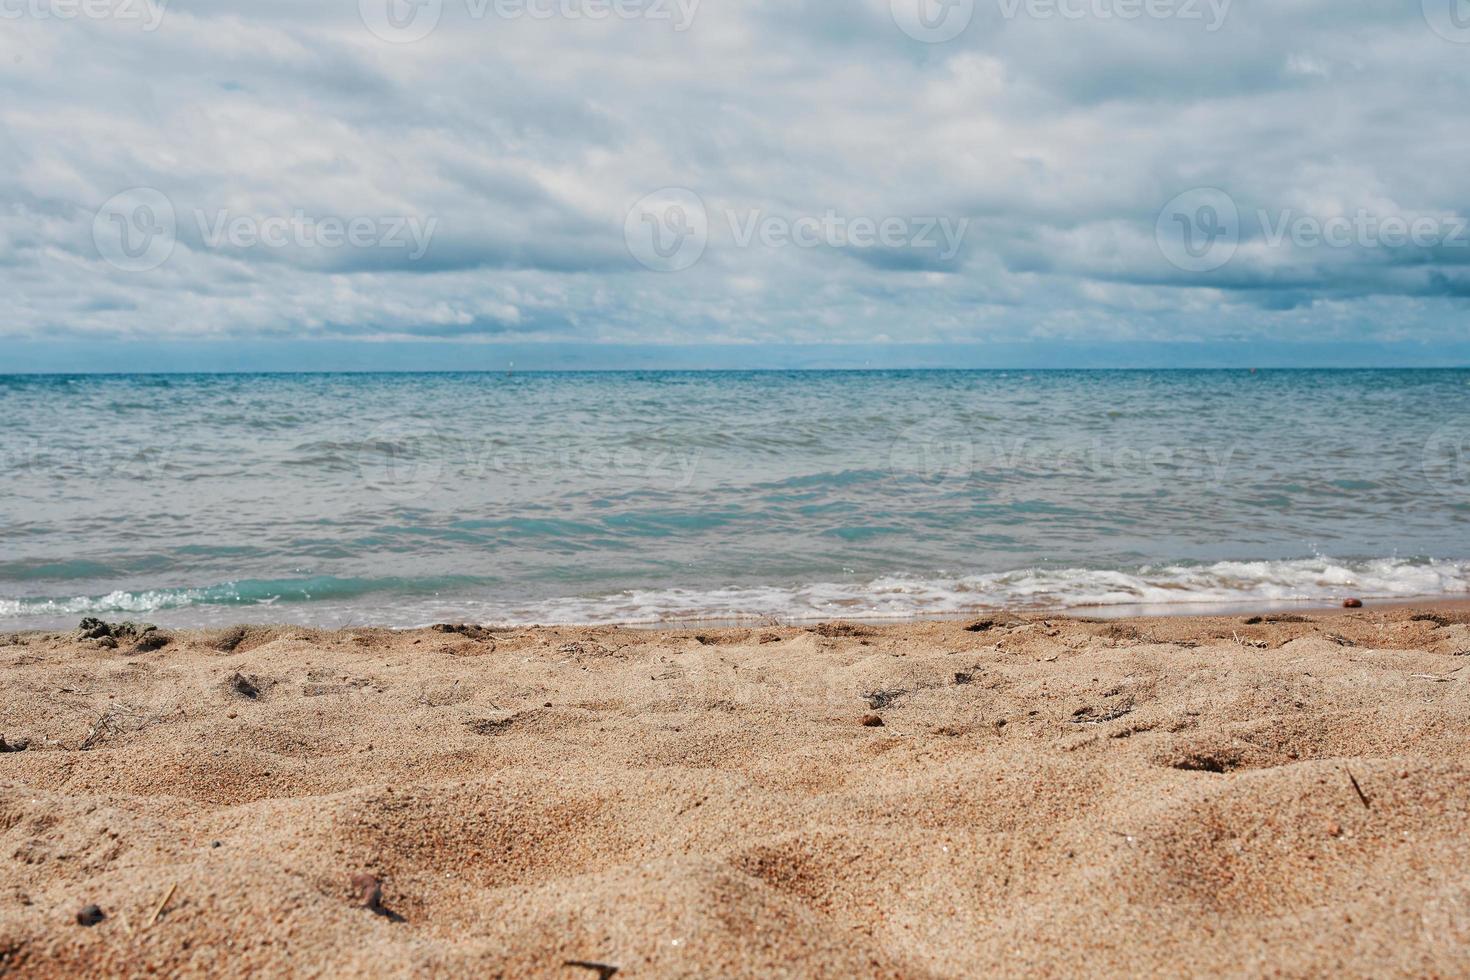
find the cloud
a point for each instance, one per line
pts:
(474, 183)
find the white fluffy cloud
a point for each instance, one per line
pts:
(477, 182)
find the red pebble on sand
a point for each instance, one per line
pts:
(1352, 604)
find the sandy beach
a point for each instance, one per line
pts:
(1278, 795)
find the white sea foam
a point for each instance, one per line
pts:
(147, 601)
(901, 597)
(1160, 588)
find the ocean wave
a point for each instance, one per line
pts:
(905, 597)
(1162, 588)
(249, 592)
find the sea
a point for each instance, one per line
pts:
(401, 500)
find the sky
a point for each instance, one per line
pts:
(445, 183)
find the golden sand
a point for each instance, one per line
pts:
(1054, 797)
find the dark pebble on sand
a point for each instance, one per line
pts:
(369, 891)
(963, 678)
(92, 628)
(90, 915)
(872, 721)
(1352, 604)
(464, 629)
(152, 640)
(19, 745)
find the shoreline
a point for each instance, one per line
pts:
(1119, 611)
(326, 601)
(1014, 793)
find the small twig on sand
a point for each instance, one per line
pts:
(95, 734)
(159, 910)
(1358, 789)
(119, 718)
(604, 970)
(1084, 717)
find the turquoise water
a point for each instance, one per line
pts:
(403, 499)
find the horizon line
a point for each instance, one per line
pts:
(511, 372)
